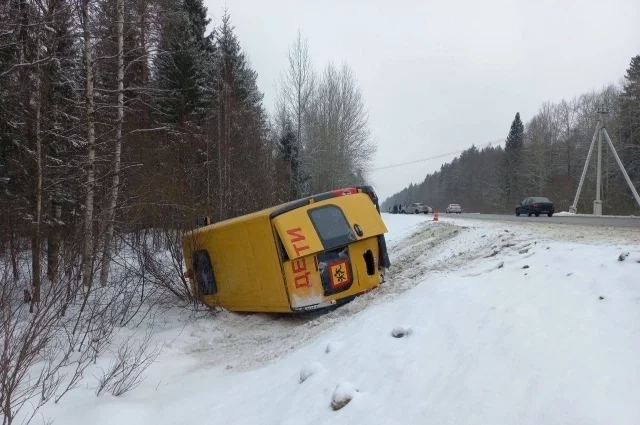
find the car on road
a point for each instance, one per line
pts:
(535, 205)
(416, 208)
(454, 209)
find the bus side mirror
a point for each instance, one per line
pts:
(203, 221)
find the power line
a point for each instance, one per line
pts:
(486, 145)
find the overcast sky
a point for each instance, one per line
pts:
(438, 76)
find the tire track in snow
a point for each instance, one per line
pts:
(244, 341)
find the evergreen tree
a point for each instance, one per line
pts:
(512, 160)
(234, 78)
(14, 161)
(182, 64)
(60, 89)
(9, 88)
(631, 92)
(630, 119)
(515, 139)
(240, 125)
(288, 152)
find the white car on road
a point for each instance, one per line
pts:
(454, 208)
(416, 208)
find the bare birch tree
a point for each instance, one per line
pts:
(91, 152)
(37, 239)
(113, 196)
(296, 91)
(339, 148)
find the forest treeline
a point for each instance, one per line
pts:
(122, 115)
(545, 157)
(121, 122)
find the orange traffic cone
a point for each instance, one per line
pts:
(435, 216)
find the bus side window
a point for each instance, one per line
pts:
(203, 272)
(281, 248)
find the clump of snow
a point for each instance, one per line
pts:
(342, 395)
(400, 332)
(333, 346)
(309, 370)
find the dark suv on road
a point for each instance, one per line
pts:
(535, 205)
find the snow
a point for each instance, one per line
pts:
(484, 341)
(400, 332)
(309, 370)
(342, 395)
(298, 301)
(571, 214)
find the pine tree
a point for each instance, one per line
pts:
(512, 160)
(240, 126)
(288, 152)
(515, 139)
(630, 119)
(59, 100)
(182, 64)
(11, 163)
(631, 91)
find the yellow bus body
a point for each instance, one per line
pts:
(294, 257)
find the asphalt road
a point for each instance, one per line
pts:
(581, 220)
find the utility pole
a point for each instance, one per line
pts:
(600, 133)
(597, 204)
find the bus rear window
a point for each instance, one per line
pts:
(203, 273)
(332, 226)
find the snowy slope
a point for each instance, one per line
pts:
(521, 325)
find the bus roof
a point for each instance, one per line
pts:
(277, 210)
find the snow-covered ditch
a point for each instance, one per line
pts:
(477, 323)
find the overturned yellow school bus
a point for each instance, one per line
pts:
(307, 254)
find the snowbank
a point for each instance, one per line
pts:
(570, 214)
(486, 341)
